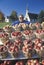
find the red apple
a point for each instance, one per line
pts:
(38, 31)
(16, 33)
(1, 64)
(43, 62)
(5, 63)
(8, 62)
(18, 41)
(29, 62)
(21, 63)
(37, 64)
(26, 32)
(17, 63)
(16, 49)
(24, 48)
(38, 40)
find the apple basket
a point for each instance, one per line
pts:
(14, 51)
(3, 51)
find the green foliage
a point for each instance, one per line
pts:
(1, 16)
(2, 24)
(13, 16)
(41, 16)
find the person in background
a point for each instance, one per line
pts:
(21, 23)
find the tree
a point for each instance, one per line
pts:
(14, 16)
(41, 16)
(2, 16)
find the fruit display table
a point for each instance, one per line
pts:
(24, 47)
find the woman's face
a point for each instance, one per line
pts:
(21, 18)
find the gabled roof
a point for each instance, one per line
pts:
(33, 15)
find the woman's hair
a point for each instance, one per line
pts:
(21, 16)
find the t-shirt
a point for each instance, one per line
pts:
(18, 22)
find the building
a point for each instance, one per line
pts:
(6, 19)
(2, 17)
(30, 16)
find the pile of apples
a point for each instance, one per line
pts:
(28, 62)
(16, 34)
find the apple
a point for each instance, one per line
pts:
(38, 40)
(5, 63)
(37, 47)
(2, 48)
(21, 63)
(16, 49)
(29, 62)
(18, 41)
(11, 49)
(17, 63)
(26, 32)
(30, 31)
(26, 41)
(24, 49)
(38, 31)
(30, 47)
(16, 33)
(42, 62)
(1, 64)
(5, 34)
(8, 62)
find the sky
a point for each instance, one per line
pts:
(34, 6)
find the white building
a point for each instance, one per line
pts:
(27, 16)
(6, 19)
(31, 17)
